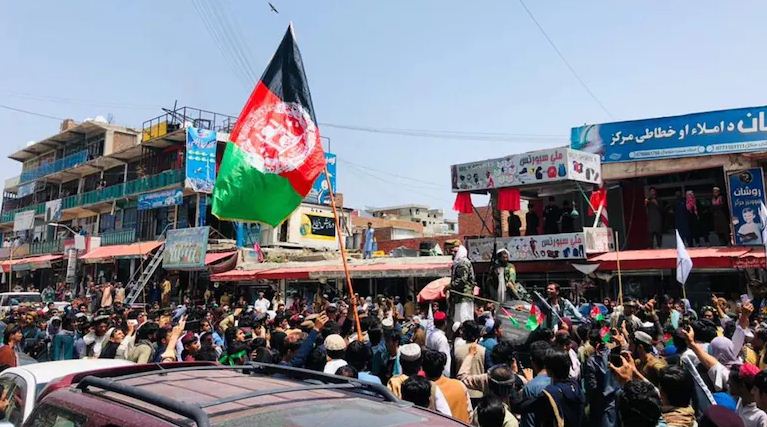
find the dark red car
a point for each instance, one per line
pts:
(251, 395)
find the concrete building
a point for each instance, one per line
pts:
(432, 220)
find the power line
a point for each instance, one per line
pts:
(566, 62)
(63, 100)
(19, 110)
(391, 174)
(446, 134)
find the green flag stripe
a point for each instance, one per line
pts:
(243, 193)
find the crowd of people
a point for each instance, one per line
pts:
(640, 363)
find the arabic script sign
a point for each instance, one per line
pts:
(699, 134)
(535, 167)
(746, 195)
(530, 248)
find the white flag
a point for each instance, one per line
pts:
(683, 260)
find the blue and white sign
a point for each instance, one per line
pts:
(746, 195)
(26, 189)
(200, 160)
(160, 199)
(320, 194)
(700, 134)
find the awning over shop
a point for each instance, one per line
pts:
(108, 253)
(214, 257)
(665, 259)
(30, 263)
(308, 271)
(752, 259)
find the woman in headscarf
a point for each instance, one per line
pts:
(687, 310)
(721, 217)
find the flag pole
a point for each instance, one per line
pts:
(618, 262)
(342, 249)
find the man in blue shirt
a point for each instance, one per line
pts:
(358, 355)
(534, 386)
(369, 241)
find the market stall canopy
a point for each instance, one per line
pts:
(30, 263)
(214, 257)
(665, 259)
(434, 291)
(108, 253)
(333, 269)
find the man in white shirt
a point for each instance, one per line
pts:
(437, 340)
(336, 349)
(262, 304)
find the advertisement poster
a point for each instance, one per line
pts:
(746, 195)
(185, 249)
(530, 248)
(160, 199)
(53, 211)
(320, 194)
(536, 167)
(715, 132)
(200, 160)
(24, 220)
(318, 227)
(26, 189)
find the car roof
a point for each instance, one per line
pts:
(44, 372)
(234, 395)
(19, 293)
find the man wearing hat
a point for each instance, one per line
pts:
(462, 280)
(503, 282)
(437, 340)
(336, 349)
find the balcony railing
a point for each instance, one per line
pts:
(118, 237)
(186, 116)
(49, 247)
(61, 164)
(130, 188)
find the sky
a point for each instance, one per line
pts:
(450, 69)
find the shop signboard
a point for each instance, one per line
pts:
(53, 211)
(536, 167)
(159, 199)
(25, 189)
(24, 220)
(546, 247)
(200, 160)
(699, 134)
(746, 196)
(185, 249)
(320, 194)
(318, 227)
(599, 239)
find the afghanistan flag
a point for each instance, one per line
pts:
(274, 154)
(596, 313)
(535, 319)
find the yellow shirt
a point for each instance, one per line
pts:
(166, 287)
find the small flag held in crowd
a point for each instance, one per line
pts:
(514, 322)
(683, 260)
(605, 334)
(535, 319)
(596, 313)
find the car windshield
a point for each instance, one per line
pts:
(330, 414)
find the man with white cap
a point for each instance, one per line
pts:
(336, 349)
(503, 283)
(462, 280)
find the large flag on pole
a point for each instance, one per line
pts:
(683, 260)
(275, 153)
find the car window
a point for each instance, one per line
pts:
(53, 416)
(12, 398)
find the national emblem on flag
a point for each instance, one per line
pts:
(535, 319)
(275, 153)
(596, 313)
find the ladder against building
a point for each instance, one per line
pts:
(146, 275)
